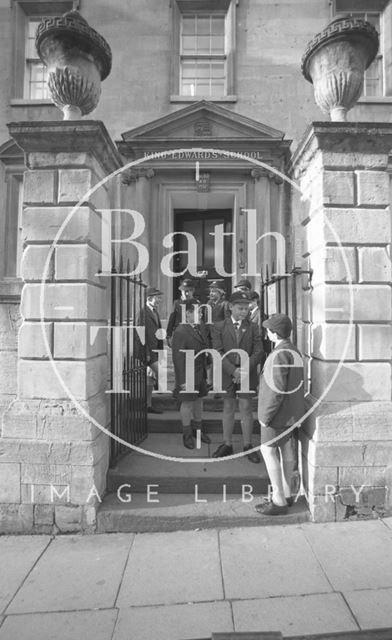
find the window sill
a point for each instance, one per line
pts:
(24, 102)
(231, 98)
(375, 100)
(10, 290)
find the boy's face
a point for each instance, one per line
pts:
(239, 310)
(272, 336)
(154, 301)
(214, 295)
(253, 304)
(193, 316)
(186, 294)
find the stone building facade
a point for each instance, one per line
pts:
(263, 113)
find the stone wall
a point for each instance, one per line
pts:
(53, 456)
(345, 216)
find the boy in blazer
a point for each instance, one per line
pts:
(237, 332)
(280, 406)
(149, 318)
(191, 335)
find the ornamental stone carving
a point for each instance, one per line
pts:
(335, 61)
(77, 58)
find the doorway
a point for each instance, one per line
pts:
(201, 224)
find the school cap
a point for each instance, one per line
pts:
(279, 323)
(239, 296)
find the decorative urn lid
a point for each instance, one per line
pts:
(341, 29)
(77, 32)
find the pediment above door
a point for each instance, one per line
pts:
(203, 125)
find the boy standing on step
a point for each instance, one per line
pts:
(191, 335)
(237, 332)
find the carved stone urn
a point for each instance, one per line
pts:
(335, 61)
(77, 58)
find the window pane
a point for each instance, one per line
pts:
(218, 26)
(203, 88)
(38, 89)
(203, 77)
(203, 44)
(188, 25)
(217, 44)
(203, 25)
(217, 88)
(189, 44)
(218, 70)
(373, 79)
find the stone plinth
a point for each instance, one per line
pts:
(344, 173)
(53, 458)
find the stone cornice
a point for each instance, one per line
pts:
(132, 175)
(342, 137)
(67, 136)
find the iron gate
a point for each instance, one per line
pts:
(128, 369)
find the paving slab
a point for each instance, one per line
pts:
(372, 608)
(319, 613)
(175, 568)
(76, 572)
(18, 555)
(388, 522)
(175, 622)
(354, 555)
(89, 625)
(262, 562)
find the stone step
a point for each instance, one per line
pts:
(167, 402)
(170, 422)
(179, 511)
(175, 469)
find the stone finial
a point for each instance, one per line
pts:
(335, 61)
(78, 59)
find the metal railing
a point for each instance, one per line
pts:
(128, 369)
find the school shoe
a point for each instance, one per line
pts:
(188, 440)
(271, 509)
(223, 450)
(204, 437)
(254, 456)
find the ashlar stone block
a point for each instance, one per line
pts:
(333, 341)
(78, 262)
(72, 301)
(374, 264)
(32, 342)
(334, 264)
(9, 480)
(352, 303)
(338, 187)
(373, 188)
(44, 224)
(78, 379)
(74, 184)
(375, 341)
(351, 226)
(80, 339)
(36, 263)
(353, 382)
(39, 187)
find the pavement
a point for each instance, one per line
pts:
(297, 579)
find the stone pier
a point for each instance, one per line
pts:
(345, 220)
(53, 459)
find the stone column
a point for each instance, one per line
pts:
(53, 458)
(138, 198)
(343, 170)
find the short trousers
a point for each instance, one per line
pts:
(200, 392)
(269, 433)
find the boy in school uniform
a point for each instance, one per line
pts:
(280, 406)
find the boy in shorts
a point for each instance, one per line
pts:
(280, 406)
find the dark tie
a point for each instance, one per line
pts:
(237, 331)
(198, 331)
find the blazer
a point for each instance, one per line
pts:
(219, 311)
(185, 337)
(224, 339)
(276, 408)
(175, 317)
(152, 322)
